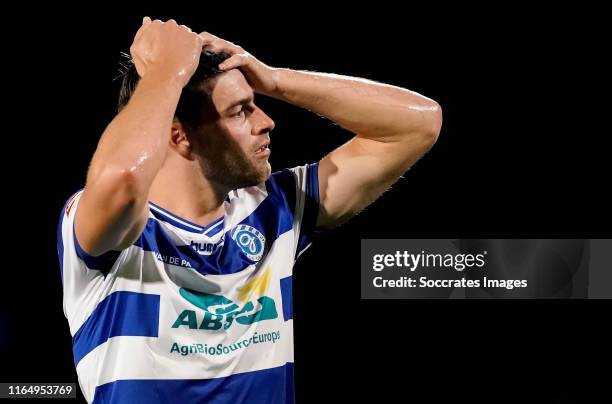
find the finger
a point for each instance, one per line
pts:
(146, 23)
(206, 40)
(222, 46)
(185, 28)
(211, 47)
(207, 36)
(234, 62)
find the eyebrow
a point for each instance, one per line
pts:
(242, 101)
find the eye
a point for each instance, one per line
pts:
(240, 113)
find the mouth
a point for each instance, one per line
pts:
(263, 151)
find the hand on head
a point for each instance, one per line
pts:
(166, 50)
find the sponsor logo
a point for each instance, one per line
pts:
(206, 248)
(218, 312)
(250, 240)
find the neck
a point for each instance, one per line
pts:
(181, 188)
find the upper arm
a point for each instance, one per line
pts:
(352, 176)
(109, 216)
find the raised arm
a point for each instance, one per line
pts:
(113, 208)
(394, 128)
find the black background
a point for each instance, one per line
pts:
(523, 153)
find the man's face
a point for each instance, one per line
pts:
(234, 130)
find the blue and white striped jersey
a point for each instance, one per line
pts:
(189, 313)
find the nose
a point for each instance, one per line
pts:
(262, 122)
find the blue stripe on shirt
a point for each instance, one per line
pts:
(267, 386)
(272, 217)
(286, 285)
(119, 314)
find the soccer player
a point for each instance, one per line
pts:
(177, 256)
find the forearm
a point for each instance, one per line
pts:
(135, 143)
(373, 110)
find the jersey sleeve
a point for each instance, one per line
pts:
(83, 276)
(299, 186)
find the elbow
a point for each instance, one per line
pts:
(433, 123)
(127, 188)
(120, 187)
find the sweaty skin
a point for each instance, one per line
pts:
(134, 145)
(394, 127)
(144, 154)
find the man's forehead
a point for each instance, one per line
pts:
(231, 87)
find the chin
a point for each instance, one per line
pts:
(263, 171)
(263, 175)
(267, 171)
(258, 175)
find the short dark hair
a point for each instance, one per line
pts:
(192, 98)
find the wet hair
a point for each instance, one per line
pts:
(193, 97)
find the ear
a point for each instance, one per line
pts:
(179, 141)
